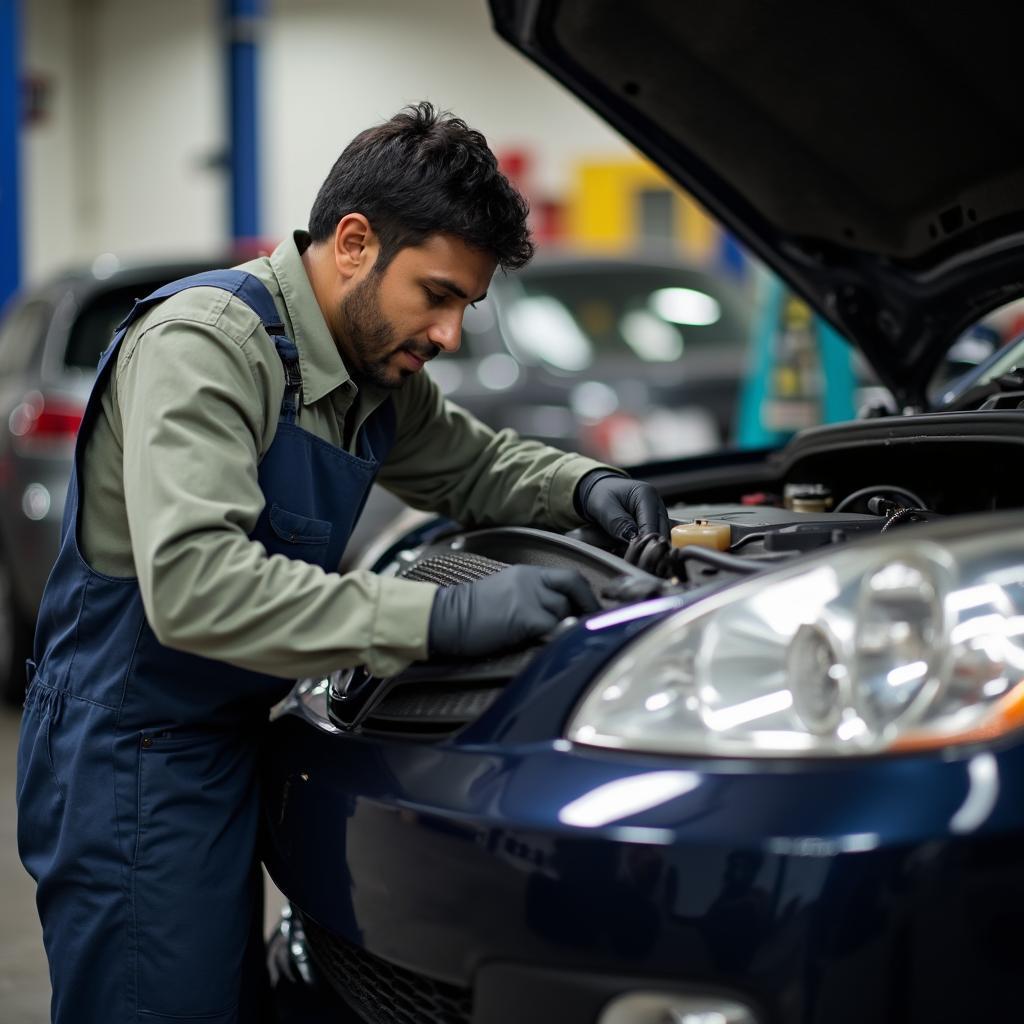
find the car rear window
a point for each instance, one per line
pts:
(20, 335)
(653, 315)
(95, 324)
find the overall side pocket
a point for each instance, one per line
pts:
(297, 536)
(198, 811)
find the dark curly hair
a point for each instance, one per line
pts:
(422, 173)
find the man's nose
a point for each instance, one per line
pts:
(446, 331)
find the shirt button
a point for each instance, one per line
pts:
(147, 742)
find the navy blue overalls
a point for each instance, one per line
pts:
(137, 788)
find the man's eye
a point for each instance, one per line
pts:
(433, 298)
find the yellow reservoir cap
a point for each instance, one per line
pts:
(704, 533)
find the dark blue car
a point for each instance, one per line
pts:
(775, 781)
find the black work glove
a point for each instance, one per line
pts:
(504, 610)
(622, 507)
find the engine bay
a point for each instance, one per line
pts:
(829, 486)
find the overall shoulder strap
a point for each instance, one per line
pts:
(250, 289)
(254, 293)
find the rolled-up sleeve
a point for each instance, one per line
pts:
(446, 460)
(193, 401)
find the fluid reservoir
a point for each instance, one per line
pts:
(703, 532)
(807, 497)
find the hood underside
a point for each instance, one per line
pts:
(868, 152)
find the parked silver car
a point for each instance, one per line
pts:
(50, 341)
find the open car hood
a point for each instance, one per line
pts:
(868, 152)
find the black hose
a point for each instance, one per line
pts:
(876, 489)
(719, 559)
(655, 555)
(748, 539)
(908, 515)
(650, 552)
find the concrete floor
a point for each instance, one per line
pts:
(24, 981)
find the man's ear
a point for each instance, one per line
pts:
(355, 245)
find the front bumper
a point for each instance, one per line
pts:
(815, 892)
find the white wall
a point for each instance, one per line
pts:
(124, 164)
(160, 119)
(49, 221)
(334, 67)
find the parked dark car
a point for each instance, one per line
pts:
(781, 783)
(626, 358)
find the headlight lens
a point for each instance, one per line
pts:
(897, 645)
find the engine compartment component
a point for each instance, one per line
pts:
(829, 486)
(807, 497)
(430, 700)
(703, 533)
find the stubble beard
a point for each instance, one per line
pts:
(371, 338)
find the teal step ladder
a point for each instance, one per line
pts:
(800, 371)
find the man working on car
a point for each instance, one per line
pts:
(235, 428)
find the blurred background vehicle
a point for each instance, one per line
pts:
(627, 359)
(50, 342)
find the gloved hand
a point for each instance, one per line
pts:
(622, 507)
(501, 611)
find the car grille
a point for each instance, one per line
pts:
(451, 568)
(430, 701)
(424, 709)
(380, 992)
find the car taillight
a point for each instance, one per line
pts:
(45, 419)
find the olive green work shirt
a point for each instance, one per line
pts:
(170, 491)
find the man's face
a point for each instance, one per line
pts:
(391, 324)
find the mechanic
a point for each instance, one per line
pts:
(236, 425)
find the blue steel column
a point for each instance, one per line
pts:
(10, 131)
(244, 21)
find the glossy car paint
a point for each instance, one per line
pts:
(814, 890)
(887, 192)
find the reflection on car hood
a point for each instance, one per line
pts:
(868, 152)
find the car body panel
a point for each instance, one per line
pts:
(451, 859)
(504, 863)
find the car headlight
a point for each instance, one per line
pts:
(896, 645)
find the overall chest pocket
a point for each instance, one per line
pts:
(298, 536)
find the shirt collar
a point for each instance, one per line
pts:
(320, 362)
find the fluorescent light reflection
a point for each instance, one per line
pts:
(907, 673)
(791, 603)
(623, 798)
(973, 628)
(543, 327)
(685, 306)
(650, 338)
(982, 792)
(749, 711)
(995, 687)
(975, 597)
(497, 372)
(852, 728)
(658, 701)
(629, 613)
